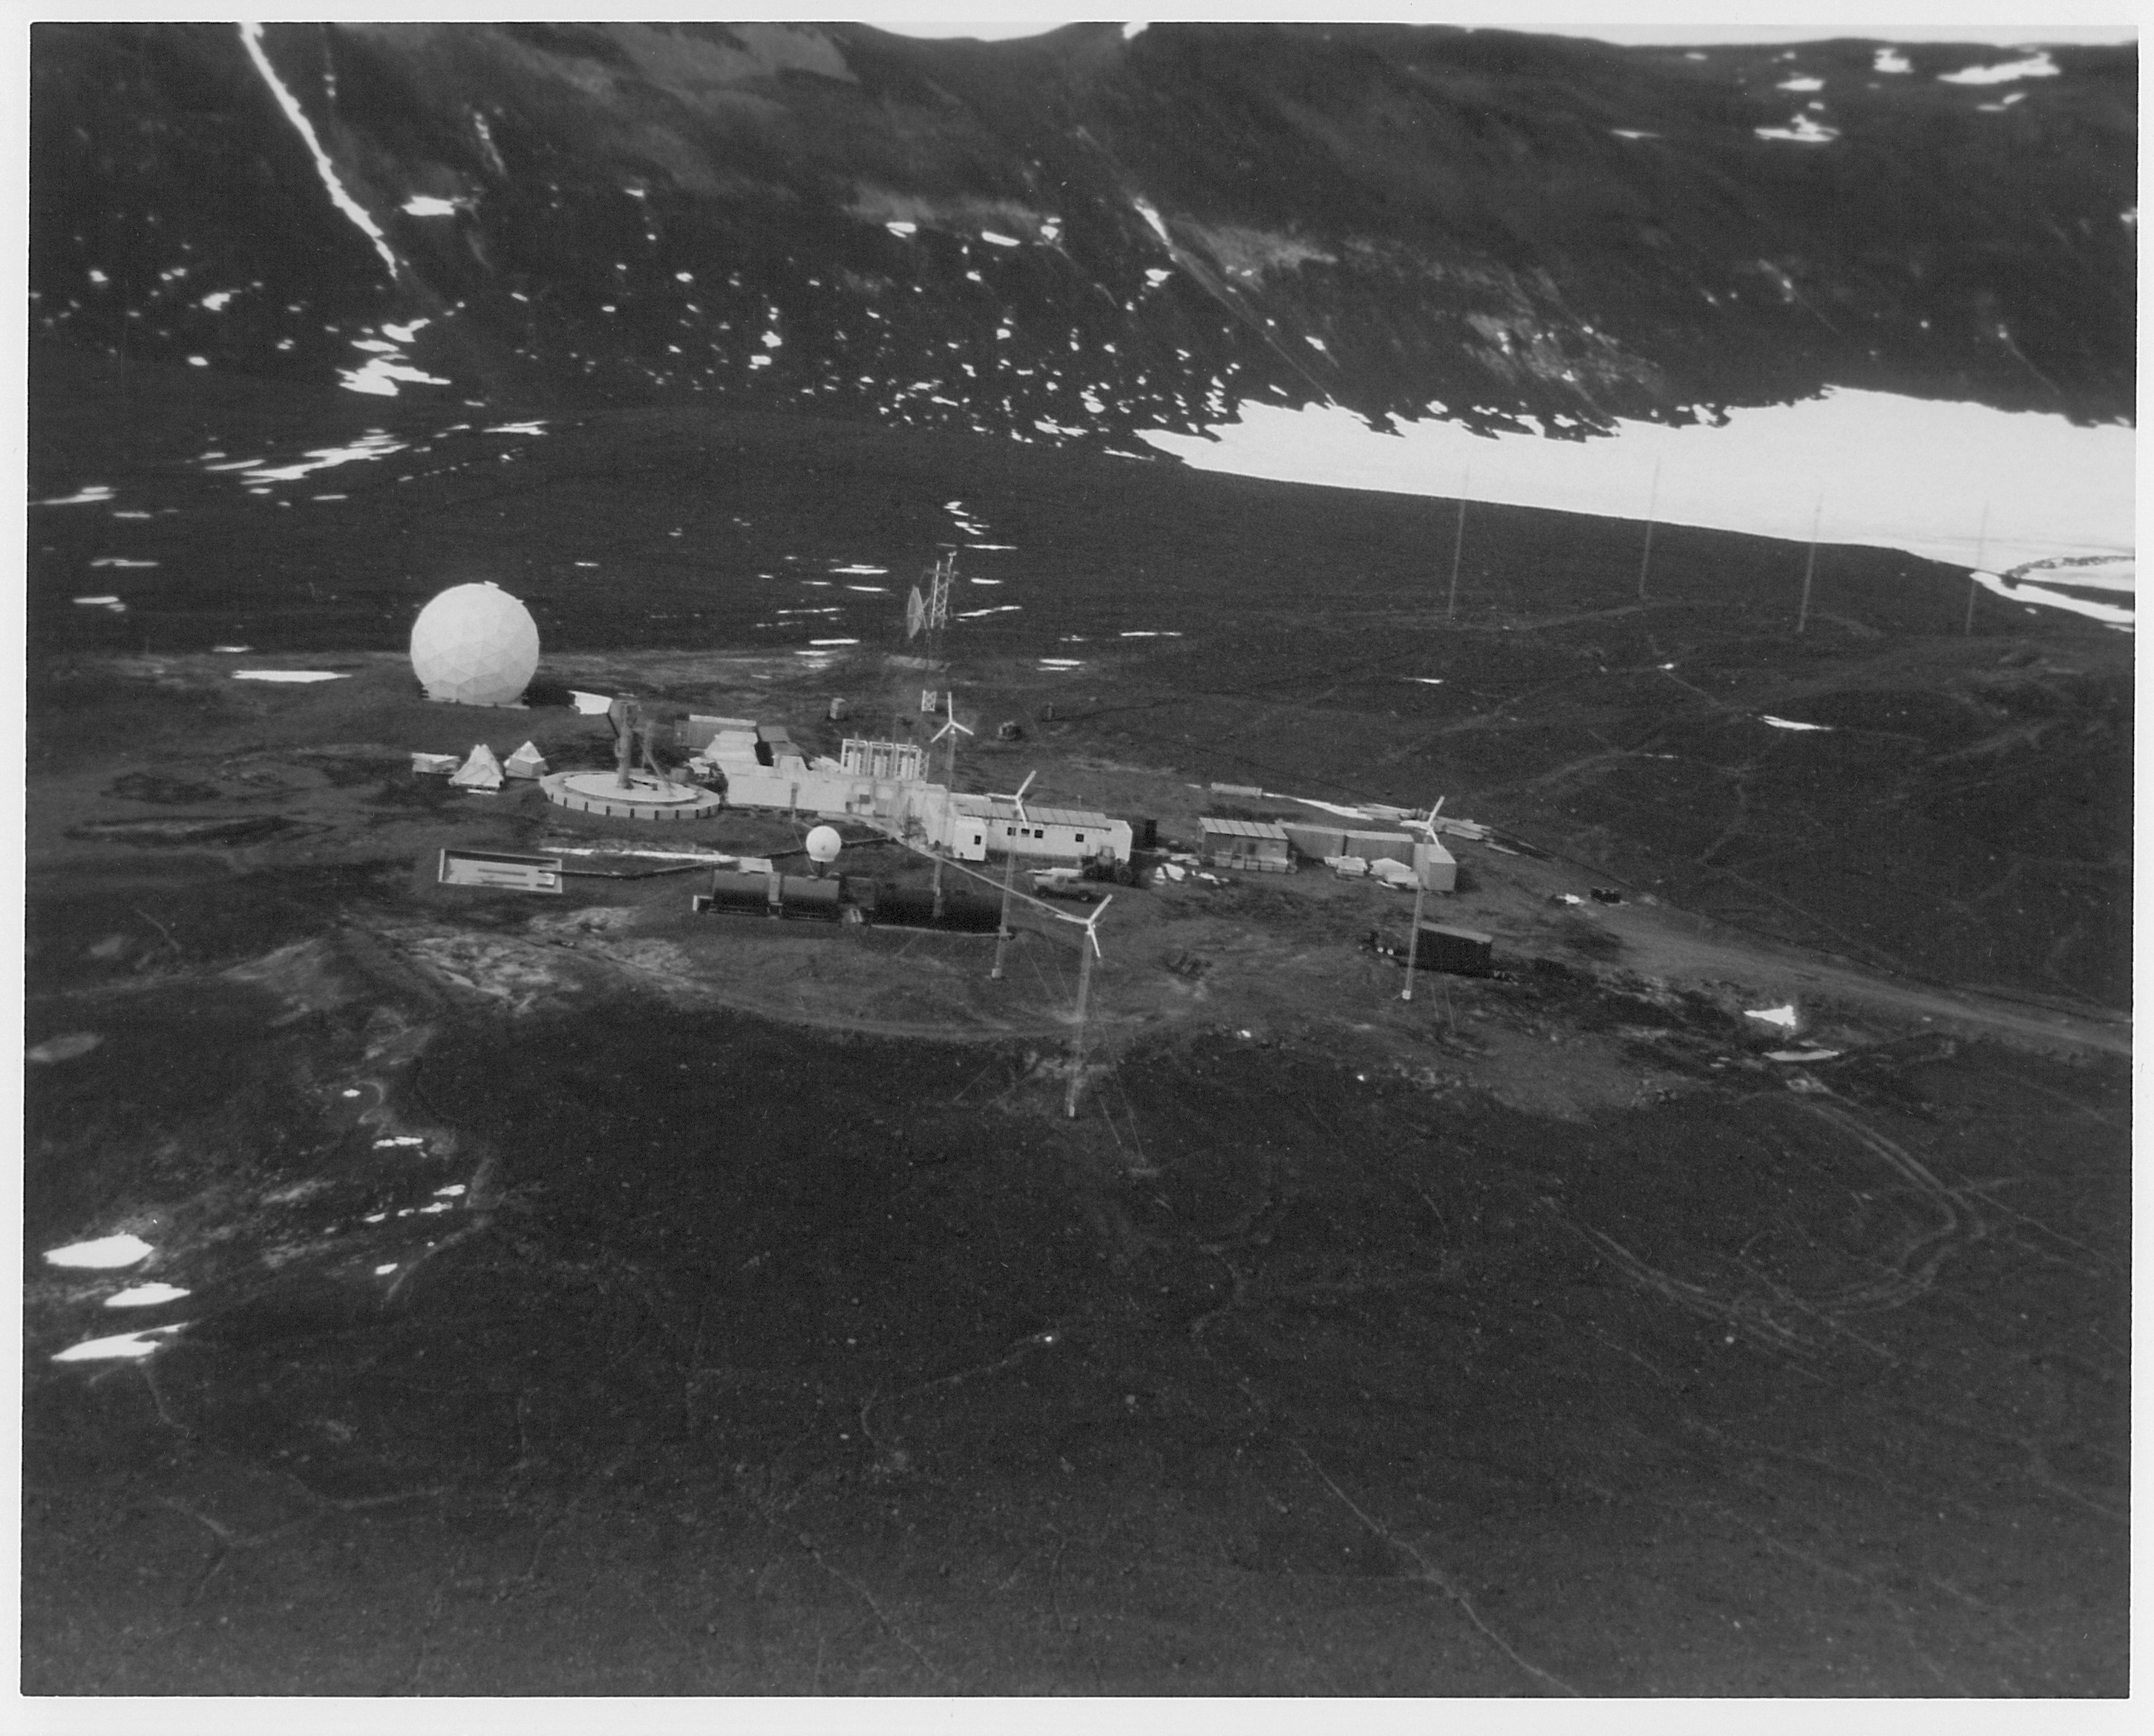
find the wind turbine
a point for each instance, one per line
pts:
(1085, 955)
(952, 728)
(1420, 891)
(1016, 799)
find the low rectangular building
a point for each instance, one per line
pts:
(1256, 844)
(979, 826)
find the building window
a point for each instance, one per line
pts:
(1081, 837)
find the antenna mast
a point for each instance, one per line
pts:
(938, 579)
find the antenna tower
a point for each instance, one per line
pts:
(935, 605)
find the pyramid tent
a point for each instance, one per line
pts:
(481, 771)
(526, 762)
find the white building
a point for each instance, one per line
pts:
(972, 828)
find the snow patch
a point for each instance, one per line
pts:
(104, 1254)
(251, 34)
(125, 1345)
(1897, 473)
(1801, 131)
(2037, 65)
(146, 1295)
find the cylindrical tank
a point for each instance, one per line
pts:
(746, 893)
(819, 900)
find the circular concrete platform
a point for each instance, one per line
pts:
(645, 798)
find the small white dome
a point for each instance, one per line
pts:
(824, 844)
(475, 644)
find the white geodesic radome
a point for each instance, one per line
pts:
(475, 644)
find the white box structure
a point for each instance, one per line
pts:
(889, 761)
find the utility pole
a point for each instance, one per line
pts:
(1981, 549)
(1002, 930)
(1458, 542)
(1810, 566)
(1652, 505)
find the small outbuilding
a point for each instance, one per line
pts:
(1257, 845)
(1436, 866)
(1464, 951)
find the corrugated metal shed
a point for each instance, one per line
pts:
(1242, 827)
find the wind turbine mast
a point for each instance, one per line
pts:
(1016, 799)
(1086, 954)
(1420, 891)
(952, 728)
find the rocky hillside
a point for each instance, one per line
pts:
(1080, 234)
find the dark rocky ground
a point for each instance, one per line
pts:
(1517, 228)
(1538, 1337)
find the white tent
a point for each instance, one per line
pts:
(481, 771)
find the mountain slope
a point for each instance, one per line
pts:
(1078, 234)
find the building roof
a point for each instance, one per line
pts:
(987, 807)
(1242, 827)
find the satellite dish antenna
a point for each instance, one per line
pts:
(1421, 890)
(1016, 799)
(1085, 955)
(915, 613)
(824, 844)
